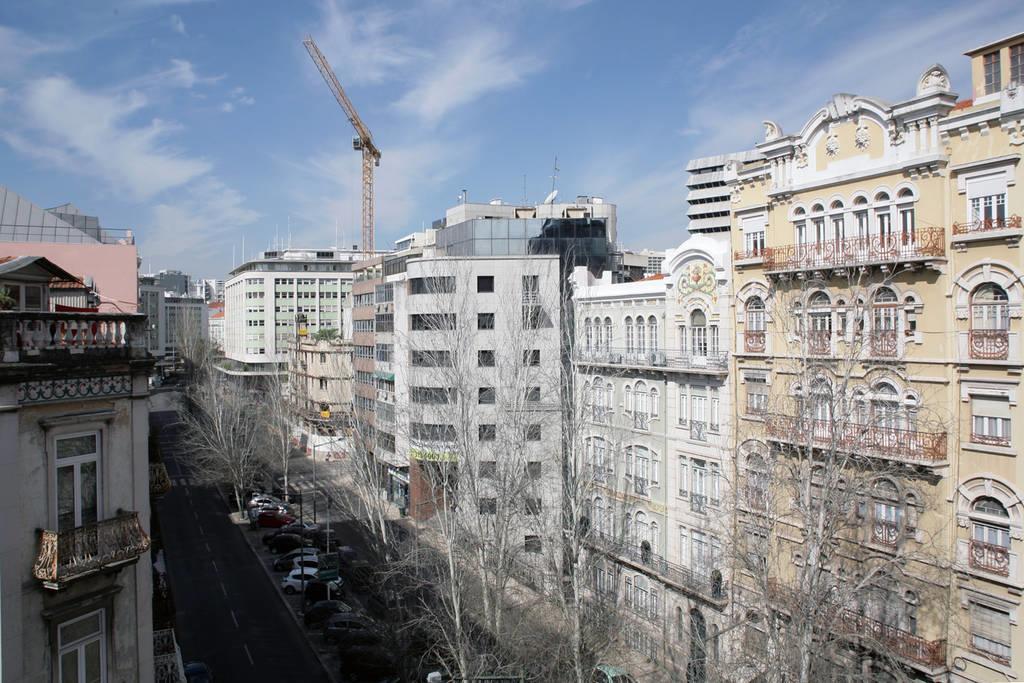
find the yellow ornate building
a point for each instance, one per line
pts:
(878, 285)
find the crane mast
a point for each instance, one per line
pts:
(363, 141)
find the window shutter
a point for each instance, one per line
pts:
(990, 406)
(987, 185)
(989, 623)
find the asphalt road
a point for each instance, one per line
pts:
(227, 612)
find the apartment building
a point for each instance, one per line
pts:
(262, 298)
(75, 572)
(877, 303)
(320, 380)
(653, 363)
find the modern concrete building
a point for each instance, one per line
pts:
(187, 317)
(215, 316)
(879, 246)
(653, 361)
(106, 260)
(263, 297)
(75, 572)
(174, 281)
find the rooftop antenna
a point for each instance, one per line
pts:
(554, 174)
(335, 233)
(524, 190)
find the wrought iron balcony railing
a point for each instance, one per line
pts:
(24, 333)
(707, 584)
(987, 225)
(748, 254)
(674, 360)
(884, 532)
(883, 343)
(924, 244)
(754, 341)
(87, 549)
(641, 421)
(159, 481)
(641, 486)
(698, 503)
(989, 557)
(819, 342)
(875, 634)
(989, 344)
(869, 439)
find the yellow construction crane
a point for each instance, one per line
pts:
(363, 141)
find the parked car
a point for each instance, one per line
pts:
(348, 628)
(302, 528)
(261, 499)
(273, 519)
(323, 590)
(283, 543)
(320, 611)
(293, 582)
(197, 672)
(287, 560)
(308, 562)
(320, 541)
(604, 673)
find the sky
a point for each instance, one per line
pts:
(203, 125)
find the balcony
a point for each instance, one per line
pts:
(54, 335)
(166, 657)
(819, 342)
(986, 225)
(883, 343)
(989, 344)
(641, 486)
(159, 481)
(698, 503)
(989, 557)
(989, 439)
(753, 255)
(698, 430)
(884, 532)
(754, 341)
(884, 637)
(85, 550)
(641, 421)
(926, 244)
(926, 448)
(707, 584)
(716, 362)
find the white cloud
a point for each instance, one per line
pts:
(17, 49)
(197, 225)
(246, 100)
(91, 134)
(368, 45)
(178, 24)
(469, 67)
(227, 107)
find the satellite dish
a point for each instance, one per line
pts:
(551, 197)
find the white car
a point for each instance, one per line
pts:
(292, 583)
(286, 562)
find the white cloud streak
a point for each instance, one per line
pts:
(178, 25)
(374, 42)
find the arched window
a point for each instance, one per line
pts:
(607, 334)
(887, 513)
(886, 408)
(905, 208)
(990, 308)
(818, 223)
(680, 625)
(598, 517)
(641, 336)
(696, 666)
(629, 335)
(838, 223)
(885, 323)
(990, 536)
(654, 402)
(883, 219)
(628, 391)
(821, 401)
(800, 225)
(862, 218)
(652, 332)
(654, 536)
(640, 529)
(757, 482)
(699, 333)
(589, 336)
(755, 319)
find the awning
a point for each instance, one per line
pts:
(380, 374)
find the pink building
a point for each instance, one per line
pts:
(103, 258)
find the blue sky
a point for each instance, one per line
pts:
(195, 123)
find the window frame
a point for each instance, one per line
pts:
(75, 462)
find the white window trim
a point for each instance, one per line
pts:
(74, 645)
(101, 435)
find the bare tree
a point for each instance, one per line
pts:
(223, 434)
(279, 420)
(833, 486)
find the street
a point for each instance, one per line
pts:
(228, 613)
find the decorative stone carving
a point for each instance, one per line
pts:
(772, 131)
(934, 79)
(862, 138)
(699, 277)
(801, 156)
(832, 144)
(1017, 134)
(895, 134)
(41, 391)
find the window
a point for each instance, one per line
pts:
(990, 308)
(533, 506)
(698, 333)
(531, 357)
(487, 432)
(431, 359)
(755, 314)
(607, 334)
(906, 214)
(684, 404)
(486, 396)
(629, 335)
(432, 432)
(82, 649)
(488, 469)
(485, 321)
(757, 395)
(532, 317)
(1017, 64)
(652, 334)
(383, 353)
(432, 395)
(533, 432)
(77, 480)
(533, 394)
(990, 631)
(990, 535)
(323, 358)
(484, 283)
(485, 358)
(419, 322)
(323, 384)
(432, 285)
(990, 420)
(715, 410)
(754, 242)
(488, 506)
(532, 544)
(534, 469)
(991, 68)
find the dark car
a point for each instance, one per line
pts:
(349, 629)
(273, 519)
(321, 611)
(287, 561)
(322, 590)
(319, 539)
(283, 543)
(197, 672)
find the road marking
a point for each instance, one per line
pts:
(234, 619)
(249, 655)
(207, 546)
(201, 532)
(196, 515)
(215, 566)
(223, 589)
